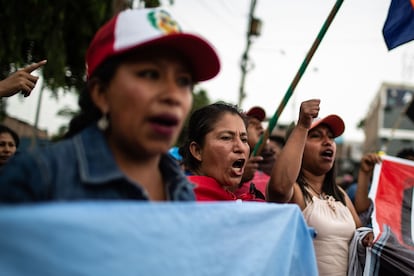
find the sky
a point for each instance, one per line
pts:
(345, 72)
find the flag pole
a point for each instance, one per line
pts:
(272, 122)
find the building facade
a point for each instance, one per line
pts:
(386, 126)
(30, 136)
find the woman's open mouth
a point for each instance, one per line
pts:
(238, 166)
(164, 125)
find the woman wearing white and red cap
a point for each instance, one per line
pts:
(305, 175)
(141, 69)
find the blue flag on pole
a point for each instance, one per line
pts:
(399, 25)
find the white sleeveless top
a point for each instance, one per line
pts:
(335, 227)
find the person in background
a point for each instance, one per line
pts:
(20, 81)
(216, 151)
(276, 143)
(346, 181)
(363, 204)
(406, 153)
(9, 142)
(141, 70)
(305, 175)
(258, 168)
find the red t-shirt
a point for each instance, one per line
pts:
(260, 180)
(208, 189)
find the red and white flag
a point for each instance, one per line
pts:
(393, 221)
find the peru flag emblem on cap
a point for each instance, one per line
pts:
(162, 20)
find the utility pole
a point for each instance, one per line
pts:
(37, 116)
(253, 29)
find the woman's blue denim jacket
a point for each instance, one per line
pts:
(81, 168)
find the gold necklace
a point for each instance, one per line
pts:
(319, 194)
(302, 179)
(329, 199)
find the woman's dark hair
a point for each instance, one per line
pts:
(89, 112)
(406, 153)
(5, 129)
(202, 121)
(278, 140)
(329, 186)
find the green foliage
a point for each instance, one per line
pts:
(361, 124)
(200, 99)
(59, 31)
(60, 134)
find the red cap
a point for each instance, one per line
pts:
(257, 112)
(334, 122)
(133, 29)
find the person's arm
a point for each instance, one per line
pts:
(251, 167)
(362, 201)
(287, 167)
(266, 165)
(21, 80)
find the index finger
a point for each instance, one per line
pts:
(30, 68)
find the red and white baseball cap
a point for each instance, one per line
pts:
(334, 122)
(135, 28)
(257, 112)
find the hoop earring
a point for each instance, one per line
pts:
(103, 122)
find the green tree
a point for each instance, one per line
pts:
(200, 99)
(59, 31)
